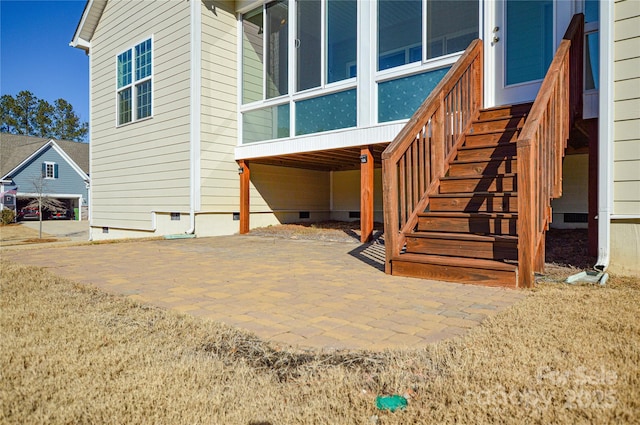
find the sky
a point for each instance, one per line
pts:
(35, 54)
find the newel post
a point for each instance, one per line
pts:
(526, 238)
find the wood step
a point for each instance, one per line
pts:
(485, 168)
(463, 245)
(485, 153)
(507, 110)
(474, 202)
(465, 184)
(453, 269)
(489, 138)
(510, 122)
(477, 223)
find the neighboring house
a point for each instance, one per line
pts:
(212, 117)
(34, 166)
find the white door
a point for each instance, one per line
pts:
(521, 37)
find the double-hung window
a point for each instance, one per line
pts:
(134, 82)
(49, 170)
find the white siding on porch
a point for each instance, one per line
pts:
(626, 172)
(143, 166)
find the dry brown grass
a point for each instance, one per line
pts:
(16, 234)
(72, 354)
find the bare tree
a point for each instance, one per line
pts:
(42, 201)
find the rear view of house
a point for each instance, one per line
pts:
(468, 127)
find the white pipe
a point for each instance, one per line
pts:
(194, 145)
(605, 136)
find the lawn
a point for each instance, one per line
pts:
(72, 354)
(17, 234)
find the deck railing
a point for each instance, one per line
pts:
(541, 147)
(418, 157)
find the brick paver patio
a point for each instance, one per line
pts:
(304, 293)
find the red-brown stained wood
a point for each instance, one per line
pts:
(491, 138)
(476, 223)
(541, 146)
(499, 124)
(467, 270)
(366, 195)
(473, 168)
(245, 178)
(497, 183)
(482, 153)
(475, 202)
(461, 245)
(505, 111)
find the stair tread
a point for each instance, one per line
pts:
(468, 194)
(514, 105)
(479, 176)
(487, 145)
(500, 117)
(503, 130)
(462, 236)
(456, 262)
(456, 214)
(471, 161)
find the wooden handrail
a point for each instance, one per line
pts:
(541, 146)
(416, 160)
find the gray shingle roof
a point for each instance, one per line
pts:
(15, 148)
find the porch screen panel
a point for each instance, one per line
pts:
(451, 26)
(308, 44)
(324, 113)
(252, 56)
(342, 26)
(529, 39)
(277, 49)
(399, 99)
(399, 33)
(265, 124)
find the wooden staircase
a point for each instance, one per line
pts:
(467, 191)
(468, 232)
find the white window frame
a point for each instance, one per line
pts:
(48, 165)
(132, 86)
(368, 76)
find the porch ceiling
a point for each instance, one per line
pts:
(340, 159)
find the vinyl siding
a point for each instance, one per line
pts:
(346, 190)
(28, 178)
(219, 182)
(142, 166)
(289, 189)
(626, 184)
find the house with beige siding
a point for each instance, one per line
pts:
(467, 127)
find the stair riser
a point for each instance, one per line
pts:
(488, 153)
(489, 250)
(477, 225)
(498, 124)
(488, 168)
(472, 140)
(475, 203)
(506, 111)
(486, 184)
(455, 274)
